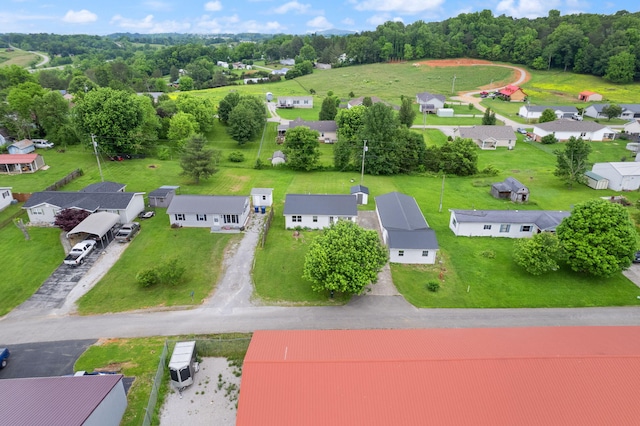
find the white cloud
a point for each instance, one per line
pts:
(526, 8)
(80, 17)
(378, 19)
(292, 6)
(213, 6)
(319, 23)
(158, 5)
(397, 6)
(148, 25)
(348, 21)
(232, 24)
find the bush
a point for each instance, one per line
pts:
(433, 286)
(490, 170)
(549, 139)
(163, 153)
(259, 164)
(236, 157)
(489, 254)
(170, 272)
(147, 277)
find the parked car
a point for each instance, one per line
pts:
(127, 232)
(42, 143)
(146, 214)
(79, 252)
(4, 356)
(521, 130)
(636, 257)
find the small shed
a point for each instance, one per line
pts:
(596, 181)
(278, 158)
(445, 112)
(162, 196)
(511, 189)
(183, 365)
(262, 197)
(25, 146)
(588, 96)
(361, 192)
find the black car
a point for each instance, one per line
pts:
(636, 257)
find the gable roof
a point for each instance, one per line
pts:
(587, 93)
(400, 212)
(54, 401)
(487, 132)
(624, 168)
(509, 90)
(490, 376)
(162, 192)
(208, 204)
(565, 125)
(321, 204)
(540, 108)
(510, 184)
(546, 220)
(320, 125)
(426, 97)
(18, 158)
(594, 176)
(358, 101)
(635, 108)
(261, 191)
(21, 144)
(359, 188)
(107, 186)
(97, 223)
(90, 201)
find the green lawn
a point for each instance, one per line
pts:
(18, 57)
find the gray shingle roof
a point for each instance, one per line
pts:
(543, 219)
(487, 132)
(510, 184)
(90, 201)
(104, 187)
(400, 212)
(570, 126)
(425, 97)
(261, 191)
(359, 188)
(161, 192)
(320, 126)
(630, 107)
(424, 239)
(321, 204)
(208, 204)
(540, 108)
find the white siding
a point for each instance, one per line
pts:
(617, 182)
(43, 214)
(110, 410)
(307, 221)
(5, 198)
(478, 229)
(412, 256)
(133, 209)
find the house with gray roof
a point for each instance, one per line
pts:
(504, 223)
(220, 213)
(488, 137)
(629, 111)
(359, 101)
(622, 176)
(510, 189)
(429, 102)
(327, 129)
(104, 187)
(6, 197)
(565, 129)
(534, 112)
(318, 211)
(405, 230)
(42, 207)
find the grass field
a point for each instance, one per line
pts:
(18, 57)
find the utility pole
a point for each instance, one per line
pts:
(441, 193)
(453, 85)
(95, 149)
(364, 149)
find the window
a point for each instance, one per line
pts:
(487, 227)
(315, 218)
(5, 194)
(583, 134)
(296, 218)
(201, 217)
(264, 197)
(400, 253)
(230, 218)
(453, 221)
(505, 228)
(425, 253)
(37, 211)
(179, 216)
(306, 102)
(525, 228)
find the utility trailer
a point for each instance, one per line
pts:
(183, 364)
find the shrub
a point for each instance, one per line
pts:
(259, 164)
(236, 157)
(549, 139)
(147, 277)
(170, 272)
(433, 286)
(489, 254)
(163, 153)
(490, 170)
(352, 95)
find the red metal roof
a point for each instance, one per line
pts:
(17, 158)
(513, 376)
(509, 90)
(53, 401)
(587, 93)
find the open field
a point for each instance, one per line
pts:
(18, 57)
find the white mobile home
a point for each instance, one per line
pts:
(220, 213)
(318, 211)
(503, 223)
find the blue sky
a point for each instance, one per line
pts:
(264, 16)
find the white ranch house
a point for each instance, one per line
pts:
(504, 223)
(534, 112)
(405, 230)
(565, 129)
(220, 213)
(318, 211)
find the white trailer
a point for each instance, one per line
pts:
(183, 365)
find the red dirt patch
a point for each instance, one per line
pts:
(454, 62)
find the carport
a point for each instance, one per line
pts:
(99, 224)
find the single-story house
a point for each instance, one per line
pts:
(429, 102)
(24, 146)
(582, 375)
(162, 196)
(405, 230)
(632, 128)
(218, 212)
(20, 163)
(327, 129)
(6, 197)
(510, 189)
(277, 158)
(321, 66)
(512, 93)
(42, 207)
(596, 181)
(629, 111)
(64, 400)
(262, 197)
(358, 101)
(223, 64)
(288, 62)
(534, 112)
(588, 96)
(488, 137)
(504, 223)
(295, 102)
(565, 129)
(361, 193)
(622, 176)
(318, 211)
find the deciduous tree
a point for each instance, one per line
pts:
(489, 118)
(612, 111)
(67, 219)
(181, 126)
(407, 114)
(573, 161)
(538, 254)
(345, 258)
(329, 109)
(547, 115)
(598, 238)
(302, 148)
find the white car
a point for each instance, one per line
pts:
(42, 143)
